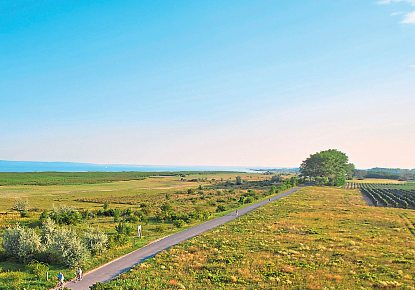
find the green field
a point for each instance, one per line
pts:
(194, 196)
(68, 178)
(318, 238)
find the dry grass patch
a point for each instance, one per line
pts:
(319, 238)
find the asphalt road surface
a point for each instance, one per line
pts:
(116, 267)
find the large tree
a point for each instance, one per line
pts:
(329, 167)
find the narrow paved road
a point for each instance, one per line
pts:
(113, 269)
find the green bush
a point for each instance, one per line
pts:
(66, 215)
(124, 229)
(66, 248)
(24, 214)
(95, 240)
(118, 240)
(43, 216)
(21, 243)
(102, 286)
(21, 205)
(179, 223)
(38, 269)
(220, 208)
(248, 200)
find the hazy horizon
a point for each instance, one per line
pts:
(247, 166)
(184, 83)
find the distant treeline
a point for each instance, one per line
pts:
(386, 173)
(66, 178)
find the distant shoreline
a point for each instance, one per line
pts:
(37, 166)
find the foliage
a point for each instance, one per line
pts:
(21, 205)
(238, 180)
(66, 215)
(21, 243)
(124, 229)
(118, 240)
(66, 248)
(95, 240)
(48, 230)
(328, 167)
(179, 223)
(220, 208)
(38, 269)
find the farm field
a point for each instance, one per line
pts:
(162, 204)
(318, 238)
(376, 180)
(387, 194)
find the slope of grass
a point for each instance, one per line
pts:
(319, 238)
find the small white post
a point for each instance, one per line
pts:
(139, 231)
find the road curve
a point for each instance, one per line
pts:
(116, 267)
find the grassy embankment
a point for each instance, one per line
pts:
(319, 238)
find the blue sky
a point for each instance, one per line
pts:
(207, 82)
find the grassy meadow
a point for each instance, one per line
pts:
(205, 193)
(318, 238)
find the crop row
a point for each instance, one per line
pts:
(389, 196)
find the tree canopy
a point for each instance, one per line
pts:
(329, 167)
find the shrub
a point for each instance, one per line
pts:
(179, 223)
(21, 243)
(248, 200)
(48, 229)
(24, 214)
(95, 240)
(86, 214)
(140, 215)
(199, 214)
(238, 180)
(220, 208)
(44, 215)
(166, 208)
(117, 215)
(123, 228)
(102, 286)
(21, 205)
(38, 269)
(66, 248)
(66, 215)
(118, 240)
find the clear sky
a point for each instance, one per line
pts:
(260, 83)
